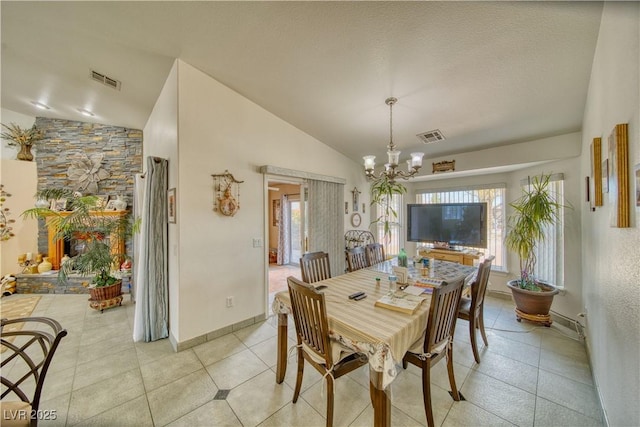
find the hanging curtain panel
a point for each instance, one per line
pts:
(326, 221)
(284, 238)
(151, 320)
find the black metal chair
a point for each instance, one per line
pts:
(32, 347)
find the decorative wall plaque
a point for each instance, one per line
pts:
(444, 166)
(226, 193)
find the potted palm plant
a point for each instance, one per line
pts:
(536, 209)
(24, 138)
(382, 191)
(86, 221)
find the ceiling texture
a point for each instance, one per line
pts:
(485, 74)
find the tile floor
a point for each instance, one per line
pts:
(532, 376)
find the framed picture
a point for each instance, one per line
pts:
(356, 198)
(102, 201)
(111, 205)
(171, 205)
(619, 176)
(637, 176)
(275, 213)
(596, 170)
(58, 205)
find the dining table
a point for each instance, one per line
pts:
(382, 334)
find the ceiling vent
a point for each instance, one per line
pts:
(431, 136)
(107, 81)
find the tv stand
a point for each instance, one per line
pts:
(461, 257)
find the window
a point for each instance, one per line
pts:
(494, 195)
(550, 252)
(391, 241)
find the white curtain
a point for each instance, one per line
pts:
(151, 319)
(284, 231)
(326, 221)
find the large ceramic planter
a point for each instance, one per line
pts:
(531, 305)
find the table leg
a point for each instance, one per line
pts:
(380, 400)
(281, 367)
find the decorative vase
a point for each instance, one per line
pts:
(120, 204)
(42, 203)
(64, 259)
(25, 153)
(45, 265)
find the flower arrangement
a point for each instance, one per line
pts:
(17, 136)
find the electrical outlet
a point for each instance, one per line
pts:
(229, 301)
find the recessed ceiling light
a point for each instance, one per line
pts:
(86, 112)
(40, 105)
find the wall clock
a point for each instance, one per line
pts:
(356, 220)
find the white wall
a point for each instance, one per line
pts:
(611, 258)
(20, 179)
(161, 140)
(221, 130)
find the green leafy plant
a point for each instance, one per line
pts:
(382, 191)
(86, 221)
(15, 135)
(536, 209)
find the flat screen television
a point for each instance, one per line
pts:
(459, 224)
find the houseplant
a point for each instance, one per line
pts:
(382, 191)
(24, 138)
(535, 210)
(86, 222)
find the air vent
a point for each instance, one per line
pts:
(107, 81)
(431, 136)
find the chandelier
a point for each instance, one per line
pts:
(391, 170)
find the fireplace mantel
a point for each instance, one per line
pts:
(56, 247)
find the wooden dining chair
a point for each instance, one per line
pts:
(31, 348)
(375, 253)
(356, 258)
(315, 267)
(437, 341)
(328, 357)
(472, 309)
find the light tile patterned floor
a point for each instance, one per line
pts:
(529, 376)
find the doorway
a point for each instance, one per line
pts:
(287, 231)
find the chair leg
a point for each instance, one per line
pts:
(404, 363)
(472, 336)
(330, 385)
(481, 325)
(426, 392)
(296, 393)
(452, 377)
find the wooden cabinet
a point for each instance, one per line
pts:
(465, 258)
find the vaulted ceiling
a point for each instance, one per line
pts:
(483, 73)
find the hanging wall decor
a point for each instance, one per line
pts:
(619, 176)
(6, 230)
(356, 198)
(444, 166)
(226, 193)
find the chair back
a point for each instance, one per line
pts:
(375, 253)
(356, 258)
(310, 317)
(479, 285)
(315, 267)
(33, 346)
(443, 312)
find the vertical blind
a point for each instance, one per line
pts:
(391, 241)
(550, 251)
(494, 196)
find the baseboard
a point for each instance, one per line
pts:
(555, 317)
(210, 336)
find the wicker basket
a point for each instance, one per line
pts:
(106, 292)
